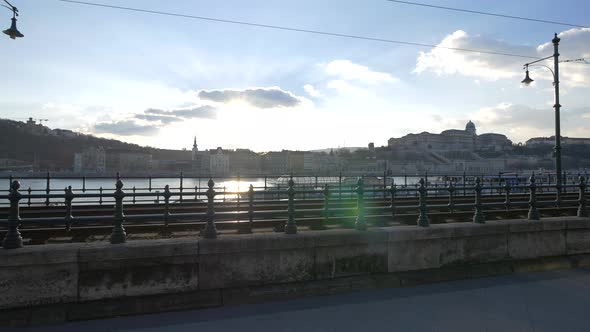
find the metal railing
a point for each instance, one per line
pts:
(363, 195)
(51, 184)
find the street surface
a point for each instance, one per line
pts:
(542, 301)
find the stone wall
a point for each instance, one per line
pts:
(81, 281)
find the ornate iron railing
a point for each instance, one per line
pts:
(361, 193)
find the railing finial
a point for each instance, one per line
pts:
(423, 193)
(478, 217)
(210, 231)
(360, 223)
(118, 235)
(291, 226)
(533, 211)
(13, 238)
(582, 204)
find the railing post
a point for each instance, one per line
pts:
(133, 195)
(326, 213)
(100, 196)
(558, 188)
(464, 183)
(210, 229)
(83, 184)
(384, 184)
(150, 183)
(423, 193)
(478, 217)
(291, 226)
(582, 205)
(167, 194)
(392, 192)
(507, 189)
(533, 212)
(29, 191)
(47, 189)
(340, 186)
(250, 226)
(69, 197)
(451, 190)
(13, 239)
(360, 223)
(118, 235)
(181, 186)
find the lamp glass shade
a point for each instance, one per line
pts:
(527, 79)
(13, 32)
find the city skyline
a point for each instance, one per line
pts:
(236, 86)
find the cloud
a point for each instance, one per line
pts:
(346, 88)
(311, 90)
(347, 70)
(521, 122)
(151, 120)
(126, 128)
(271, 97)
(204, 112)
(443, 61)
(157, 118)
(154, 114)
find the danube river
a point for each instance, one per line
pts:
(155, 186)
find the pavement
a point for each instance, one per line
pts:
(541, 301)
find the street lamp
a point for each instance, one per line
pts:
(13, 32)
(555, 71)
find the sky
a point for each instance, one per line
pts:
(160, 81)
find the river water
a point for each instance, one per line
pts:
(155, 186)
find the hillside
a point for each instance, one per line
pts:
(47, 148)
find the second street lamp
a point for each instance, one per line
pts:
(555, 71)
(12, 32)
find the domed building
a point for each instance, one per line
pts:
(453, 140)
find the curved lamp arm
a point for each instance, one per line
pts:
(538, 65)
(12, 8)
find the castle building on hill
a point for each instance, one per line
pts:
(453, 140)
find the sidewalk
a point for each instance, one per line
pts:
(543, 301)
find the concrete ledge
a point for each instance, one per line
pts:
(82, 281)
(256, 294)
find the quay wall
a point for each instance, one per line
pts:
(64, 282)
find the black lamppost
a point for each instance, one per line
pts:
(12, 32)
(555, 71)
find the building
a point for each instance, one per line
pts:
(125, 161)
(275, 162)
(7, 164)
(536, 141)
(322, 163)
(296, 161)
(453, 140)
(91, 160)
(244, 161)
(218, 162)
